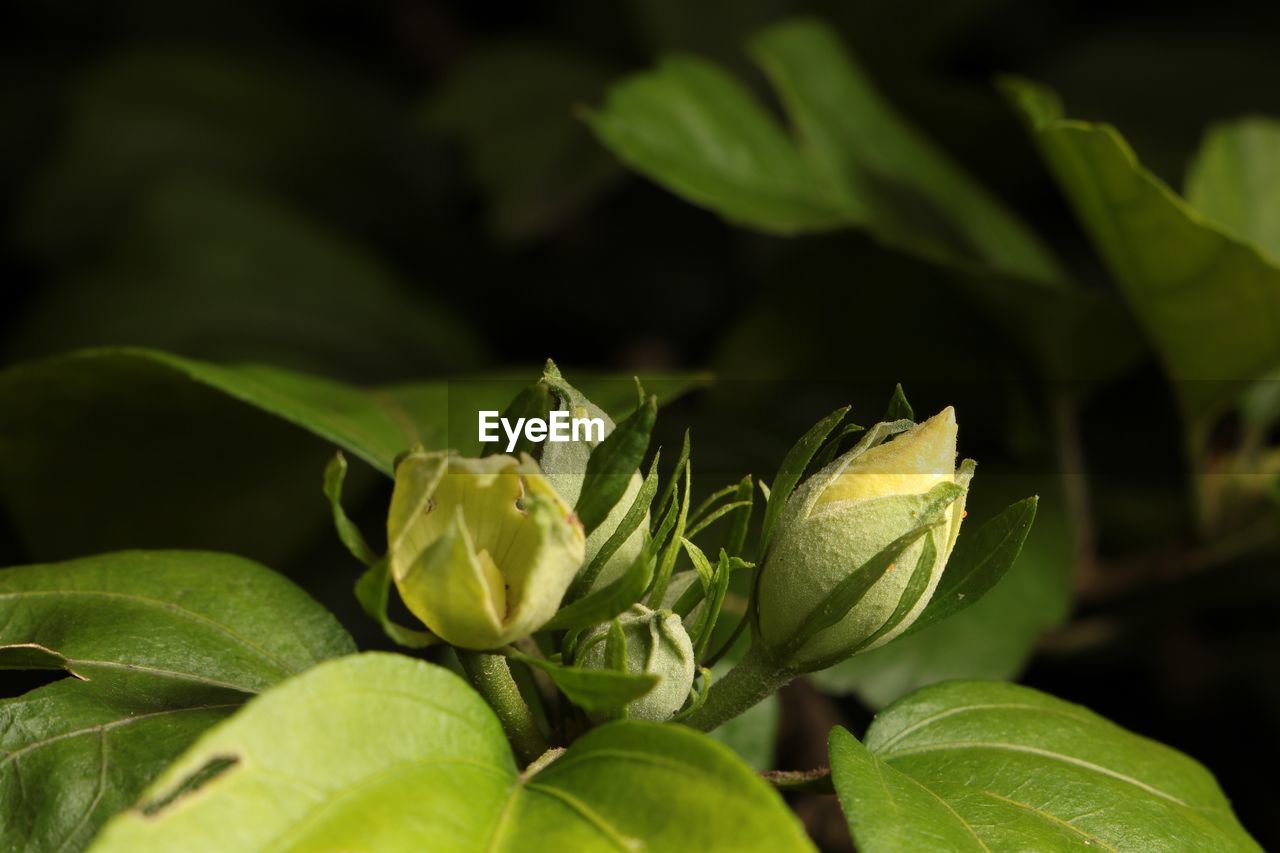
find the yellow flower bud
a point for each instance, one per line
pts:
(481, 550)
(658, 644)
(843, 516)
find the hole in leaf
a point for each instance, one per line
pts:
(21, 681)
(212, 769)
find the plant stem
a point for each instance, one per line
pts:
(751, 680)
(490, 676)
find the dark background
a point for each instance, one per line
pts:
(397, 190)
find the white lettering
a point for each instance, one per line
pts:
(488, 422)
(559, 428)
(513, 433)
(590, 426)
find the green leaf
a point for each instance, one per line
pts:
(854, 162)
(1208, 301)
(792, 469)
(373, 592)
(612, 463)
(193, 454)
(899, 409)
(594, 689)
(384, 752)
(983, 765)
(1235, 180)
(162, 645)
(887, 810)
(608, 601)
(892, 178)
(335, 473)
(692, 127)
(979, 561)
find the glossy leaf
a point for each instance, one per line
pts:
(161, 645)
(989, 766)
(384, 752)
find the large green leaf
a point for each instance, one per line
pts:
(164, 451)
(989, 766)
(854, 161)
(1208, 300)
(384, 752)
(161, 645)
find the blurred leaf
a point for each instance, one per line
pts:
(897, 181)
(208, 269)
(692, 127)
(992, 639)
(1235, 181)
(509, 106)
(988, 766)
(162, 645)
(184, 453)
(402, 754)
(141, 116)
(1209, 303)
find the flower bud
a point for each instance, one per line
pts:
(481, 550)
(843, 516)
(565, 466)
(658, 644)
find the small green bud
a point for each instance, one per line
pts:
(481, 550)
(843, 516)
(658, 644)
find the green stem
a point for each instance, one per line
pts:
(490, 676)
(755, 677)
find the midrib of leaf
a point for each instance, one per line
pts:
(989, 706)
(101, 728)
(616, 838)
(167, 607)
(1046, 816)
(946, 805)
(1043, 753)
